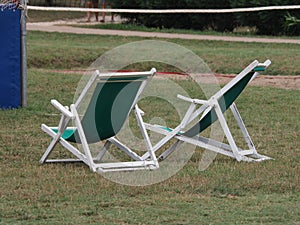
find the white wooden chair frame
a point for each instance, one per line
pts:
(231, 149)
(86, 157)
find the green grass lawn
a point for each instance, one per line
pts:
(228, 192)
(70, 51)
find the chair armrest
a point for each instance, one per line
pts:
(138, 110)
(62, 108)
(193, 100)
(267, 63)
(262, 66)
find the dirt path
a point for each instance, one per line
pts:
(64, 27)
(286, 82)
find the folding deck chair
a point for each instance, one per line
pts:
(210, 111)
(113, 97)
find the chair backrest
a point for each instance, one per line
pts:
(226, 96)
(110, 104)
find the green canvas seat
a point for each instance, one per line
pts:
(113, 97)
(224, 102)
(101, 106)
(210, 111)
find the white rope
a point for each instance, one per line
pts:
(161, 11)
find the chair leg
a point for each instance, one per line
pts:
(125, 149)
(227, 132)
(102, 151)
(170, 150)
(150, 149)
(83, 138)
(243, 128)
(252, 155)
(61, 127)
(49, 149)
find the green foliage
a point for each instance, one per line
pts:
(188, 21)
(270, 22)
(217, 22)
(61, 3)
(291, 20)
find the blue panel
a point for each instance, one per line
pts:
(10, 59)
